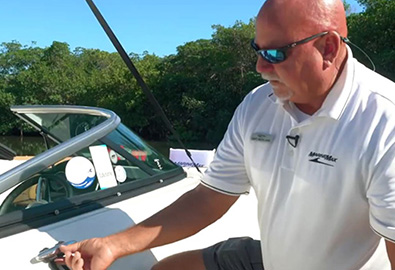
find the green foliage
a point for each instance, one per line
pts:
(201, 86)
(374, 31)
(6, 99)
(347, 7)
(198, 88)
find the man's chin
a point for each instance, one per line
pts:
(283, 94)
(275, 83)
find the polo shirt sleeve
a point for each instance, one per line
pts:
(381, 195)
(227, 173)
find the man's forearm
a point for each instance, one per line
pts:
(189, 214)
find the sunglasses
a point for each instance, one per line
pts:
(275, 56)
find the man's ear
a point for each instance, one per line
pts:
(330, 49)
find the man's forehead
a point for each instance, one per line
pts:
(270, 31)
(278, 23)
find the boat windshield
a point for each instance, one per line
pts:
(61, 126)
(64, 126)
(126, 140)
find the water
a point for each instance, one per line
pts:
(24, 146)
(33, 145)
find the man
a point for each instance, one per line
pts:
(317, 144)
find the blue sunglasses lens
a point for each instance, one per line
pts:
(273, 56)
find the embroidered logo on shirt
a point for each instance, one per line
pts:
(324, 159)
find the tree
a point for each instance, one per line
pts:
(15, 59)
(374, 31)
(203, 83)
(199, 87)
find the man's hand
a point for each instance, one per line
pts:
(89, 254)
(189, 214)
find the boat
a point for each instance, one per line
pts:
(95, 178)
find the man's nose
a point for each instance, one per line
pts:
(263, 66)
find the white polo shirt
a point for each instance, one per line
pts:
(323, 204)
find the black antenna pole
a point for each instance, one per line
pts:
(137, 75)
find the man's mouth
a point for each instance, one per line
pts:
(269, 77)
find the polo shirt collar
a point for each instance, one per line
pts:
(338, 96)
(336, 101)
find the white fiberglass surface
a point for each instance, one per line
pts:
(22, 247)
(240, 220)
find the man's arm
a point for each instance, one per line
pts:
(391, 253)
(189, 214)
(192, 212)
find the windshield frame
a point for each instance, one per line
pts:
(62, 150)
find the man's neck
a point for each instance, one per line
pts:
(311, 108)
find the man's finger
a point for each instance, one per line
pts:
(71, 248)
(77, 262)
(61, 260)
(68, 256)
